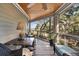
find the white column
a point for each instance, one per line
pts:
(29, 27)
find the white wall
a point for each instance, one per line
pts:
(9, 18)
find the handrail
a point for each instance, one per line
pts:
(69, 35)
(73, 36)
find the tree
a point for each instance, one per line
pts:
(69, 21)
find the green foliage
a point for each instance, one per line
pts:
(61, 42)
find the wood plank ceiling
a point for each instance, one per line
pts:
(36, 11)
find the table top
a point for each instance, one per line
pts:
(14, 47)
(17, 42)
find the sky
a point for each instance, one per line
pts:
(33, 25)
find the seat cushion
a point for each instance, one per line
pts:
(4, 51)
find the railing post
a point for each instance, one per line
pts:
(56, 26)
(50, 28)
(65, 41)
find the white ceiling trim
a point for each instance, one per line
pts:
(18, 6)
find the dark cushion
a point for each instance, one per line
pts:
(4, 51)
